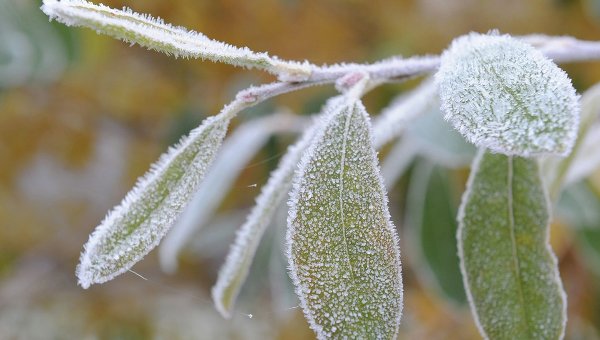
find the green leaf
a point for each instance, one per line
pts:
(510, 273)
(431, 216)
(136, 226)
(503, 94)
(342, 247)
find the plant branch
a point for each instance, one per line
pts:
(180, 42)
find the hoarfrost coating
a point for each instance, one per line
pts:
(342, 247)
(157, 35)
(137, 225)
(504, 95)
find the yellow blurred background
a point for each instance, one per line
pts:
(83, 115)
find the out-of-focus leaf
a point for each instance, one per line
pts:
(394, 119)
(510, 273)
(592, 9)
(283, 297)
(579, 205)
(31, 49)
(135, 227)
(431, 215)
(237, 265)
(503, 94)
(586, 157)
(398, 160)
(438, 141)
(342, 247)
(237, 151)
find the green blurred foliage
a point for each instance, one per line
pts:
(82, 116)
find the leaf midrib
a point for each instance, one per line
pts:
(513, 239)
(341, 192)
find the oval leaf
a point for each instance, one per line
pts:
(342, 247)
(510, 273)
(504, 95)
(135, 227)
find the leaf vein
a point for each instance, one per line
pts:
(341, 195)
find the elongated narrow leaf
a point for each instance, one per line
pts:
(510, 273)
(237, 265)
(157, 35)
(342, 247)
(503, 94)
(431, 218)
(237, 151)
(135, 227)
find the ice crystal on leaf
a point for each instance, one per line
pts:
(136, 226)
(342, 247)
(504, 95)
(157, 35)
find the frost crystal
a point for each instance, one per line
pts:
(157, 35)
(135, 227)
(504, 95)
(342, 247)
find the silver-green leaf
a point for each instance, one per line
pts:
(509, 270)
(136, 226)
(504, 95)
(342, 247)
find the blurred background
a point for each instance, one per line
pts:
(83, 115)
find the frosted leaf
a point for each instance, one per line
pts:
(341, 245)
(509, 271)
(237, 151)
(430, 230)
(135, 226)
(504, 95)
(234, 271)
(156, 35)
